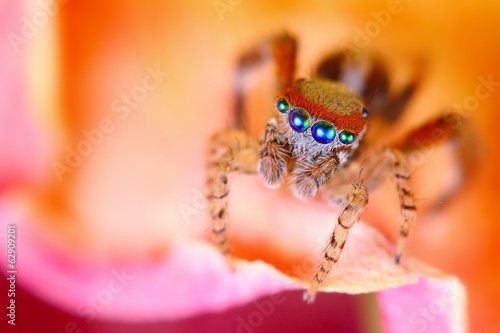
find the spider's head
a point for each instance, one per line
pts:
(319, 116)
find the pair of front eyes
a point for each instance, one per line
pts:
(322, 131)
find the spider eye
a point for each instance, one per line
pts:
(346, 137)
(323, 132)
(282, 105)
(365, 113)
(299, 120)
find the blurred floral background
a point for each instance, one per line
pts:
(105, 112)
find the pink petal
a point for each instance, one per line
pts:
(430, 305)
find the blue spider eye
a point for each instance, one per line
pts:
(299, 120)
(282, 105)
(346, 137)
(323, 132)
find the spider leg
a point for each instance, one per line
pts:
(281, 49)
(284, 50)
(378, 167)
(311, 174)
(366, 75)
(229, 151)
(393, 163)
(273, 156)
(356, 202)
(451, 131)
(406, 199)
(363, 73)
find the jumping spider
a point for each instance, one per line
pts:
(319, 138)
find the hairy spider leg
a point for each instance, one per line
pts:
(449, 127)
(229, 151)
(408, 207)
(356, 203)
(273, 156)
(377, 167)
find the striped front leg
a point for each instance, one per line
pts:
(356, 203)
(229, 151)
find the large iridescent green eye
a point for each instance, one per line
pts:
(282, 105)
(346, 137)
(299, 120)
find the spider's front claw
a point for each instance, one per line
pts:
(308, 297)
(271, 171)
(399, 252)
(397, 259)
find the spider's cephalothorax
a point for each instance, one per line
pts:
(313, 140)
(320, 125)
